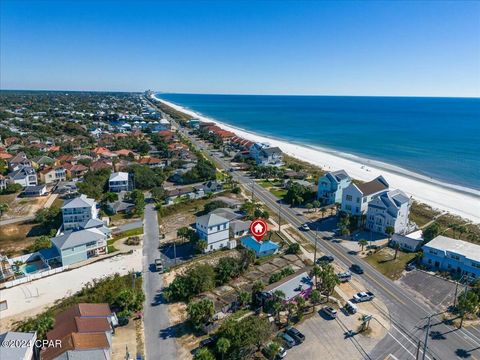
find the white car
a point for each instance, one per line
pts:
(305, 227)
(363, 296)
(281, 353)
(330, 312)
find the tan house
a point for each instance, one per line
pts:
(53, 175)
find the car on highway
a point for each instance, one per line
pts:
(363, 296)
(305, 227)
(289, 341)
(356, 269)
(295, 334)
(325, 258)
(330, 311)
(344, 276)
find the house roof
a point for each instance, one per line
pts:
(376, 185)
(271, 150)
(460, 247)
(78, 202)
(239, 225)
(22, 172)
(226, 213)
(97, 354)
(338, 175)
(291, 285)
(78, 324)
(76, 238)
(20, 157)
(258, 246)
(16, 352)
(84, 310)
(77, 341)
(118, 176)
(211, 220)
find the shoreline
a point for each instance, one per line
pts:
(432, 192)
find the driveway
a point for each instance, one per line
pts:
(159, 342)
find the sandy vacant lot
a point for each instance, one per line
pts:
(32, 298)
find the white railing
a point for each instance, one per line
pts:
(35, 276)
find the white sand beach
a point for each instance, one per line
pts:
(458, 200)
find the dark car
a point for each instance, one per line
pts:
(410, 266)
(207, 342)
(325, 258)
(356, 269)
(296, 335)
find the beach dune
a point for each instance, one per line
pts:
(458, 200)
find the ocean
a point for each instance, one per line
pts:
(434, 137)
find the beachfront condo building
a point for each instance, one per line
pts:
(389, 209)
(447, 254)
(356, 197)
(331, 185)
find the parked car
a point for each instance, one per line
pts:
(350, 307)
(289, 341)
(344, 276)
(281, 353)
(305, 227)
(356, 269)
(159, 265)
(330, 311)
(296, 335)
(363, 296)
(207, 342)
(410, 266)
(325, 258)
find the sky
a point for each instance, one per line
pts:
(391, 48)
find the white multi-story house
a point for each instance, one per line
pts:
(444, 253)
(18, 161)
(215, 229)
(119, 181)
(355, 198)
(265, 155)
(389, 209)
(331, 185)
(24, 175)
(78, 211)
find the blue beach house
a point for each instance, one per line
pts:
(261, 248)
(331, 185)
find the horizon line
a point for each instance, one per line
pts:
(240, 94)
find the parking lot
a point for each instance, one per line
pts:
(433, 289)
(328, 337)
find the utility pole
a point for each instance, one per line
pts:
(174, 252)
(279, 217)
(253, 190)
(316, 238)
(426, 337)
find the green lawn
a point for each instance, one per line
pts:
(279, 193)
(383, 260)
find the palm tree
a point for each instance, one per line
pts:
(315, 298)
(223, 344)
(3, 208)
(292, 308)
(316, 204)
(389, 230)
(363, 243)
(323, 211)
(244, 298)
(396, 247)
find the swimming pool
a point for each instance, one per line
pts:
(33, 267)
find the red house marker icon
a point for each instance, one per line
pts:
(258, 229)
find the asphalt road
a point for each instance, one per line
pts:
(408, 317)
(159, 341)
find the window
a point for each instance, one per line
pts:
(364, 200)
(349, 197)
(348, 207)
(358, 200)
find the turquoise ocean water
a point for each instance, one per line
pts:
(435, 137)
